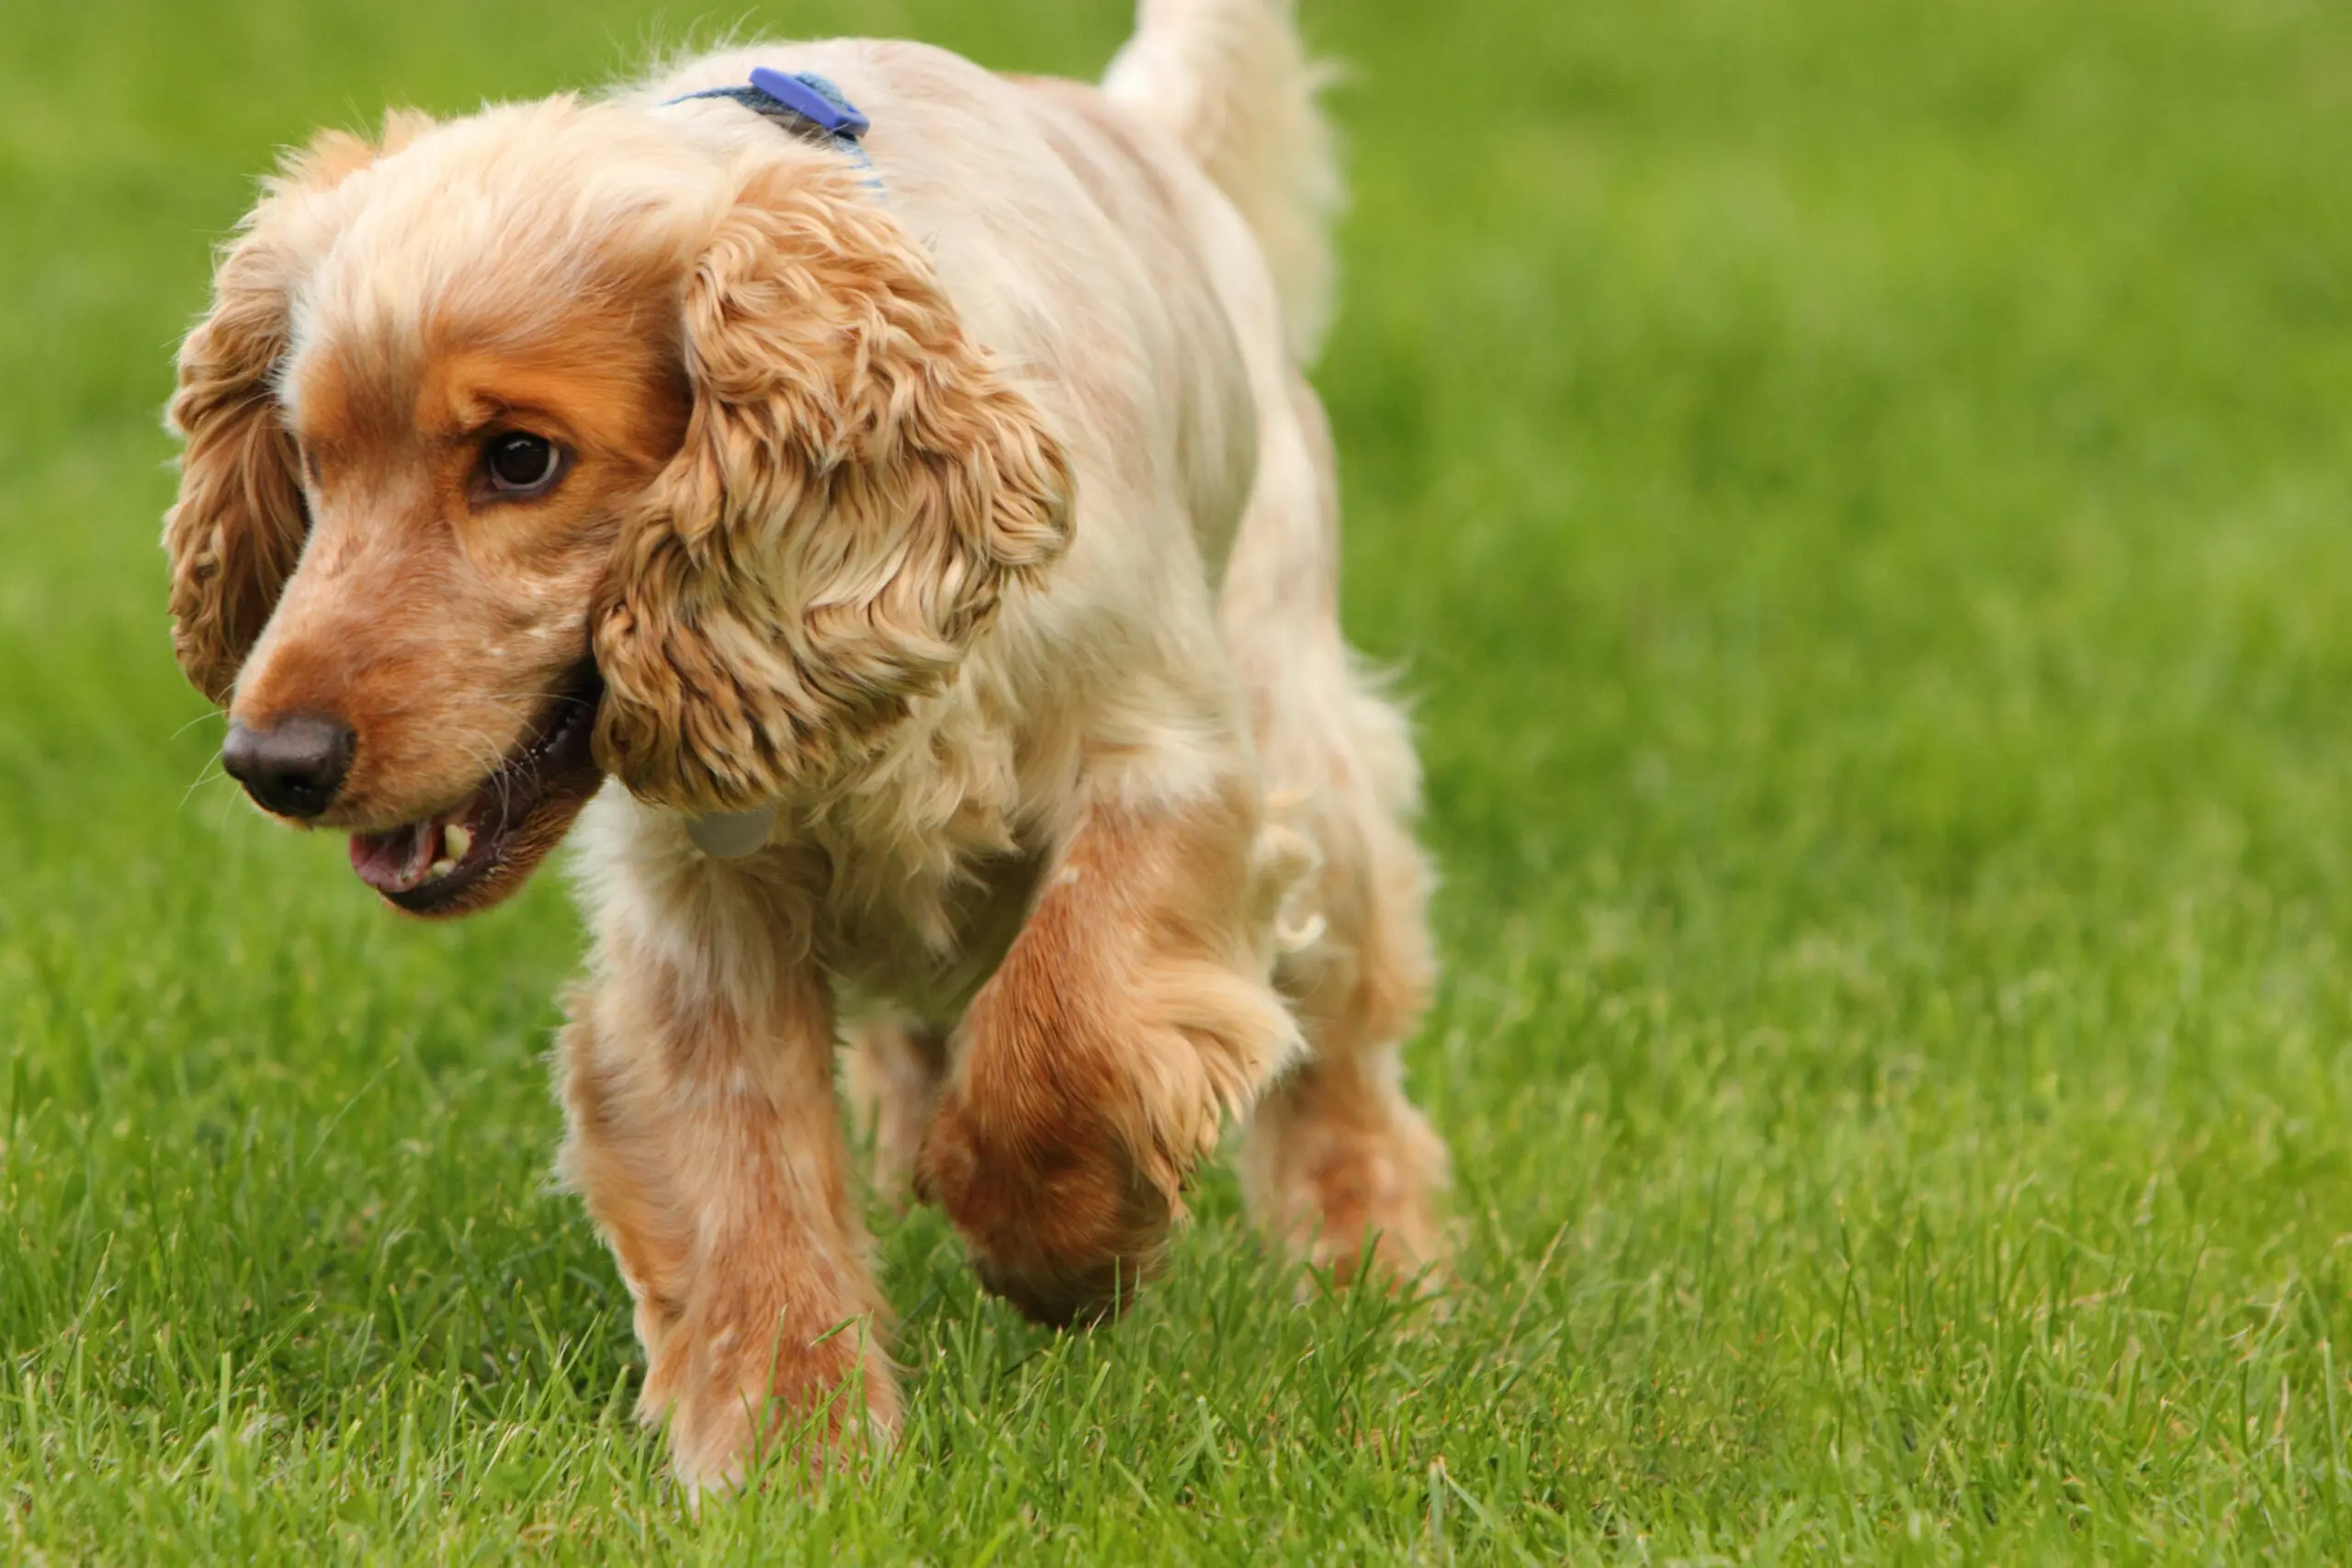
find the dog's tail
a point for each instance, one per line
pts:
(1234, 83)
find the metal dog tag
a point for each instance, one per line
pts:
(731, 835)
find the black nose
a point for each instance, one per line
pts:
(293, 767)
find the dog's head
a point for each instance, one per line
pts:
(549, 443)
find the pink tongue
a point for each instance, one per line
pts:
(396, 861)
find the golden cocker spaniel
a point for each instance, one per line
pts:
(881, 501)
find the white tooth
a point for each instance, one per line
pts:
(455, 841)
(440, 868)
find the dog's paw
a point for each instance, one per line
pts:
(732, 1396)
(1056, 1215)
(1365, 1222)
(1348, 1181)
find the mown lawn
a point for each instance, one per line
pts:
(1860, 490)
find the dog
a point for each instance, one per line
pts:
(874, 506)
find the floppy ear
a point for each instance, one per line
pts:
(234, 533)
(859, 483)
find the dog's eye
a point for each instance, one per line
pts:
(519, 463)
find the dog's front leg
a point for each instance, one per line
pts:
(1131, 1015)
(704, 1138)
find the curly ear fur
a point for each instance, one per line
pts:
(858, 485)
(234, 533)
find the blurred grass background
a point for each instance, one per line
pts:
(1859, 491)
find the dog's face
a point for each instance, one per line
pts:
(554, 442)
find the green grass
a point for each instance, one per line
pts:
(1860, 492)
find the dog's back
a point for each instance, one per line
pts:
(1230, 80)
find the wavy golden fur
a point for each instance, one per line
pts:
(927, 612)
(843, 421)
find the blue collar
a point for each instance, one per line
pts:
(808, 106)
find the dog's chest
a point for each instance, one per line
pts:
(925, 949)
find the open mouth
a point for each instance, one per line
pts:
(464, 858)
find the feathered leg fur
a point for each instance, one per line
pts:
(1337, 1160)
(1100, 1061)
(705, 1138)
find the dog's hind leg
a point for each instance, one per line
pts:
(1337, 1163)
(892, 1078)
(1336, 1158)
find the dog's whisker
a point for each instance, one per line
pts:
(209, 773)
(213, 715)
